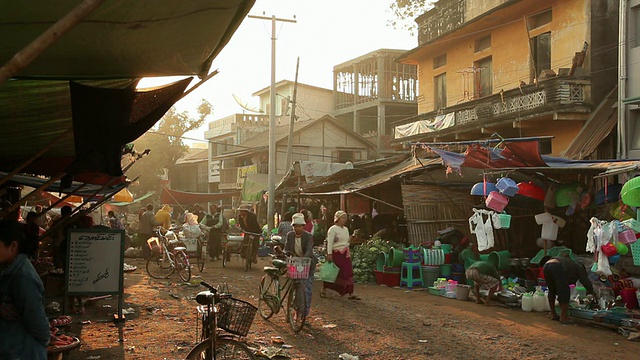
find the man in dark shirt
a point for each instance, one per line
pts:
(146, 230)
(559, 272)
(248, 221)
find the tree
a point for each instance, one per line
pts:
(165, 140)
(406, 11)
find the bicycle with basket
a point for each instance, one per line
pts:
(274, 293)
(225, 322)
(167, 257)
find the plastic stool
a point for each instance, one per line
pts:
(411, 274)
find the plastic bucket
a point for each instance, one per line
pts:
(396, 258)
(445, 270)
(629, 297)
(447, 248)
(462, 291)
(381, 261)
(500, 259)
(430, 274)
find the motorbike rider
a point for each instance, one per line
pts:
(248, 222)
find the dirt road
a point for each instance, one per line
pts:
(388, 323)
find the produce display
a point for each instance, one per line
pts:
(363, 258)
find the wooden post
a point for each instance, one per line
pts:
(24, 57)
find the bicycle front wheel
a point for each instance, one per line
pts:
(297, 307)
(225, 349)
(200, 257)
(182, 266)
(268, 301)
(159, 265)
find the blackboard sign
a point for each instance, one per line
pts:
(95, 261)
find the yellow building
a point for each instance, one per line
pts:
(518, 68)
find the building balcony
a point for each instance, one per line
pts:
(233, 178)
(374, 78)
(558, 98)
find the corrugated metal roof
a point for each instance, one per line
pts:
(599, 125)
(368, 181)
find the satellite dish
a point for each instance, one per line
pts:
(245, 105)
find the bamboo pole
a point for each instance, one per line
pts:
(25, 56)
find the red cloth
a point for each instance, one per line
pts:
(344, 282)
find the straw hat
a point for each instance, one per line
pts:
(297, 219)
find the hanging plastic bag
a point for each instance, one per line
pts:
(329, 272)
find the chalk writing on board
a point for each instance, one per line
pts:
(102, 275)
(95, 261)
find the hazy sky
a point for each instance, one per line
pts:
(327, 33)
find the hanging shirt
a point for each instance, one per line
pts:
(483, 229)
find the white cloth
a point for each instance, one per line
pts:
(297, 247)
(483, 229)
(600, 233)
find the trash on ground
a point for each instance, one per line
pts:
(345, 356)
(329, 326)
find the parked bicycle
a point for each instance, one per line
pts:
(167, 257)
(223, 312)
(273, 292)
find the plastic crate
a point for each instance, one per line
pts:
(635, 252)
(436, 291)
(611, 318)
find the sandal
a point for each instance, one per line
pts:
(323, 293)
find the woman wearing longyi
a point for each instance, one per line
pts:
(338, 252)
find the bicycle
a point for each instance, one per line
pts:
(167, 257)
(223, 312)
(273, 294)
(248, 250)
(200, 253)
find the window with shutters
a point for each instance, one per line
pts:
(541, 51)
(483, 77)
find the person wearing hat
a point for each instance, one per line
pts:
(248, 222)
(338, 253)
(300, 243)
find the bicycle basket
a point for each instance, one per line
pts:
(298, 267)
(236, 316)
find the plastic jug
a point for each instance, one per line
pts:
(538, 301)
(527, 302)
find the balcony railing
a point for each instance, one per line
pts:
(233, 178)
(558, 95)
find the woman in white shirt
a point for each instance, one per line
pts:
(338, 252)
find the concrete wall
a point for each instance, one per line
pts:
(633, 81)
(509, 50)
(313, 102)
(319, 141)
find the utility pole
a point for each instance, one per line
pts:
(290, 139)
(272, 119)
(293, 117)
